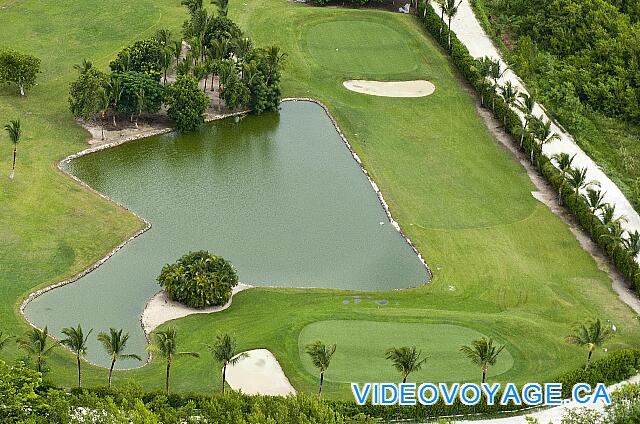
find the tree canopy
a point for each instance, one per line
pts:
(199, 279)
(19, 68)
(187, 103)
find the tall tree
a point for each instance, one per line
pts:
(406, 360)
(542, 134)
(222, 7)
(483, 66)
(76, 341)
(510, 95)
(35, 343)
(526, 104)
(483, 353)
(564, 161)
(165, 344)
(632, 243)
(451, 10)
(114, 344)
(321, 355)
(591, 335)
(19, 68)
(224, 350)
(577, 179)
(608, 217)
(103, 106)
(14, 129)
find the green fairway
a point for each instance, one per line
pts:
(439, 343)
(504, 265)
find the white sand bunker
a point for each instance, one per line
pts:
(259, 374)
(161, 309)
(417, 88)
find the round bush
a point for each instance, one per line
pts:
(199, 279)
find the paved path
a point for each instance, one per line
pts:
(551, 415)
(469, 31)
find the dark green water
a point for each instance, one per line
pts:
(278, 195)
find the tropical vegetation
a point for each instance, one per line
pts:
(199, 279)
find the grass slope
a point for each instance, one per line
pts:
(503, 264)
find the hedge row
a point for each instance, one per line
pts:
(614, 367)
(466, 65)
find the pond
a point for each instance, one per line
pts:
(279, 195)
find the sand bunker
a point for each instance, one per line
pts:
(417, 88)
(161, 309)
(259, 374)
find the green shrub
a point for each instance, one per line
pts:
(199, 279)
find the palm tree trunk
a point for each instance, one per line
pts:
(114, 117)
(166, 385)
(78, 360)
(39, 363)
(449, 35)
(588, 359)
(206, 78)
(224, 376)
(321, 381)
(404, 379)
(13, 168)
(113, 362)
(484, 375)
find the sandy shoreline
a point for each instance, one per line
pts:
(160, 309)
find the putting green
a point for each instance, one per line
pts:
(360, 52)
(356, 340)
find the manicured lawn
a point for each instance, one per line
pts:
(439, 343)
(504, 265)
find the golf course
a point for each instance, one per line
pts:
(501, 264)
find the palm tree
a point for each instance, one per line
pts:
(451, 10)
(14, 130)
(591, 335)
(224, 350)
(577, 179)
(140, 104)
(484, 69)
(103, 107)
(510, 94)
(176, 50)
(542, 135)
(114, 344)
(83, 67)
(406, 360)
(4, 339)
(483, 353)
(608, 215)
(242, 47)
(615, 233)
(564, 161)
(632, 243)
(594, 199)
(76, 341)
(275, 59)
(526, 106)
(441, 6)
(165, 344)
(320, 357)
(495, 74)
(35, 344)
(115, 93)
(222, 6)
